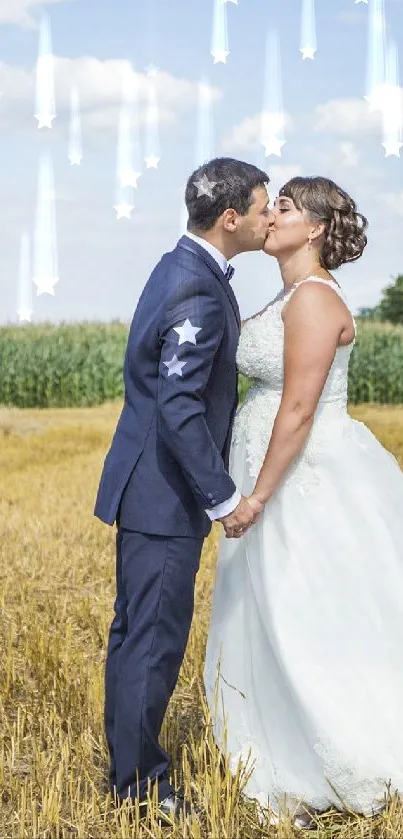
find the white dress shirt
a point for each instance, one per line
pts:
(226, 507)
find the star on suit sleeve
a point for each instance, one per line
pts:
(187, 332)
(185, 368)
(174, 366)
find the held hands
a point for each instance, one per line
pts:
(245, 514)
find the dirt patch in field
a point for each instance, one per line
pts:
(14, 422)
(19, 422)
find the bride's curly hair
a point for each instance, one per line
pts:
(344, 238)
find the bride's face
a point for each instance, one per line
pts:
(289, 228)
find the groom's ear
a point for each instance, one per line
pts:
(229, 219)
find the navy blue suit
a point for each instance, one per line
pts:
(167, 464)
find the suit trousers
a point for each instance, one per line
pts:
(155, 580)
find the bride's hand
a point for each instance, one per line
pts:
(257, 506)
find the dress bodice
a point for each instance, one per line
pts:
(261, 346)
(260, 356)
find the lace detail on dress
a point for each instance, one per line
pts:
(279, 791)
(364, 796)
(260, 356)
(346, 785)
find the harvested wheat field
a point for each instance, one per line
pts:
(57, 569)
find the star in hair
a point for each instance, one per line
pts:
(204, 186)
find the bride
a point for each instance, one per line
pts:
(304, 660)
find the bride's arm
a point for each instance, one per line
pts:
(312, 328)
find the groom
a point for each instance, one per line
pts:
(165, 476)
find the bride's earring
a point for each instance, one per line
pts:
(309, 242)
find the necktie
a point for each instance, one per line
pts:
(229, 273)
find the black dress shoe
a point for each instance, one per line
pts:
(171, 807)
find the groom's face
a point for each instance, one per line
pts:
(254, 226)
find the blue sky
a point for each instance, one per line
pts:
(104, 263)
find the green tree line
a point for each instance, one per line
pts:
(390, 307)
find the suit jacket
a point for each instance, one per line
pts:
(169, 455)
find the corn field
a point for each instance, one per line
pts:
(81, 365)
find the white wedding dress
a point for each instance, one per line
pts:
(304, 658)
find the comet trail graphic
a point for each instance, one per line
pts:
(44, 78)
(45, 246)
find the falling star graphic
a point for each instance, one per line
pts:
(45, 98)
(129, 152)
(204, 145)
(204, 136)
(308, 29)
(308, 52)
(219, 44)
(130, 178)
(123, 210)
(392, 113)
(361, 1)
(75, 143)
(152, 161)
(272, 123)
(45, 246)
(75, 158)
(153, 155)
(376, 60)
(135, 171)
(273, 146)
(25, 301)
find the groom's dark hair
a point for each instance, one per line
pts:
(229, 183)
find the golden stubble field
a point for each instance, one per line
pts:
(57, 591)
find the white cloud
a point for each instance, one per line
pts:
(338, 163)
(246, 135)
(18, 11)
(349, 154)
(343, 163)
(346, 117)
(99, 84)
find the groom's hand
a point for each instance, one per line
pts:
(240, 519)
